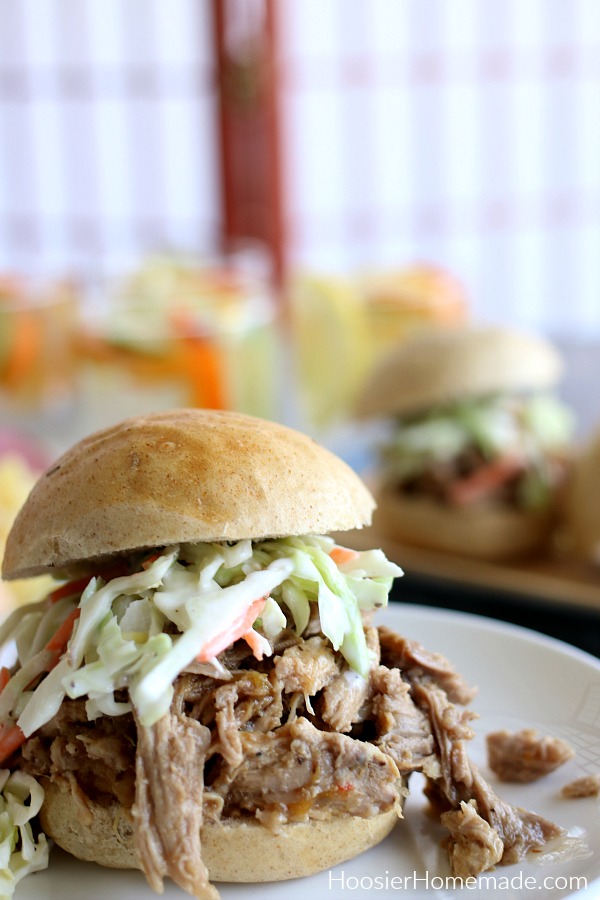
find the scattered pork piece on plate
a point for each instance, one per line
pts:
(525, 755)
(474, 845)
(586, 786)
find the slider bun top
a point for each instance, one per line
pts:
(441, 365)
(186, 475)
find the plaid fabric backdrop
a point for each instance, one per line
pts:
(107, 141)
(462, 132)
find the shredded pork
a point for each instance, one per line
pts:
(586, 786)
(167, 812)
(292, 737)
(525, 756)
(302, 771)
(474, 845)
(461, 781)
(307, 667)
(403, 730)
(344, 697)
(418, 663)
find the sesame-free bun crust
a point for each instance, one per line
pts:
(186, 475)
(441, 365)
(242, 851)
(484, 531)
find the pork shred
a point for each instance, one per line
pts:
(404, 731)
(293, 737)
(418, 663)
(95, 758)
(167, 812)
(307, 667)
(299, 770)
(461, 781)
(586, 786)
(525, 755)
(344, 698)
(474, 845)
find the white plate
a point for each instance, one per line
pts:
(524, 680)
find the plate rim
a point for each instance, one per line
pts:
(491, 623)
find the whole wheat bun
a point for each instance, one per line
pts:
(441, 365)
(232, 851)
(581, 507)
(484, 531)
(186, 475)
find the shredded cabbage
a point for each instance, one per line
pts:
(528, 427)
(136, 633)
(21, 852)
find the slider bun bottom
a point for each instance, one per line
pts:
(484, 531)
(232, 850)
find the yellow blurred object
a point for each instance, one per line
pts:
(342, 326)
(16, 480)
(398, 301)
(331, 345)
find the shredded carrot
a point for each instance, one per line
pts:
(56, 646)
(71, 588)
(252, 638)
(11, 738)
(484, 481)
(342, 555)
(68, 590)
(58, 642)
(148, 562)
(237, 630)
(201, 362)
(25, 349)
(4, 677)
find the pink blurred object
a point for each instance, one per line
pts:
(15, 443)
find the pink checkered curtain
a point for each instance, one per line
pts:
(107, 132)
(462, 132)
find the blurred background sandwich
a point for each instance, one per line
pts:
(478, 443)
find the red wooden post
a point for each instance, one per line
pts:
(246, 43)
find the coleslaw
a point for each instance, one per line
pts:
(520, 428)
(134, 634)
(21, 852)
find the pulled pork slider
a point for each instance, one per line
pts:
(478, 445)
(162, 696)
(205, 696)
